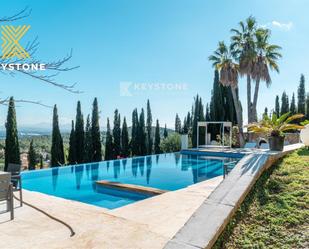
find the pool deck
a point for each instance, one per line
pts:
(150, 223)
(189, 218)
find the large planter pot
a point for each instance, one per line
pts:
(184, 141)
(276, 143)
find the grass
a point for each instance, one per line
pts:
(276, 212)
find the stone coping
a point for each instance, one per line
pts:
(131, 188)
(210, 219)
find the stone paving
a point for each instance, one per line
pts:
(150, 223)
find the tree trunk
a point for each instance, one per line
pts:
(238, 109)
(255, 98)
(249, 103)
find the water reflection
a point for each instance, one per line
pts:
(55, 172)
(134, 164)
(190, 169)
(88, 171)
(79, 171)
(177, 158)
(157, 159)
(124, 164)
(148, 168)
(141, 165)
(107, 165)
(94, 174)
(116, 166)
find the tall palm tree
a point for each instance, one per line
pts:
(244, 52)
(251, 49)
(229, 70)
(266, 58)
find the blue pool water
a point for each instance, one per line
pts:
(166, 171)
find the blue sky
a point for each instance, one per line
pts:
(163, 42)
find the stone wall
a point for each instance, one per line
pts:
(291, 138)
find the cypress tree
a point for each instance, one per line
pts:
(293, 105)
(265, 114)
(185, 128)
(117, 134)
(198, 115)
(41, 162)
(189, 121)
(230, 112)
(134, 135)
(218, 99)
(177, 124)
(96, 148)
(157, 138)
(125, 150)
(277, 106)
(149, 129)
(109, 154)
(88, 142)
(79, 134)
(284, 103)
(301, 96)
(207, 116)
(57, 154)
(31, 157)
(307, 106)
(165, 133)
(12, 154)
(142, 134)
(72, 149)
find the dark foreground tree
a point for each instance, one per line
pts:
(95, 133)
(12, 154)
(57, 154)
(31, 157)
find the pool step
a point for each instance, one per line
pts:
(131, 188)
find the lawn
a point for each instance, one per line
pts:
(276, 212)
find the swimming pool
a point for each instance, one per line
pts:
(165, 171)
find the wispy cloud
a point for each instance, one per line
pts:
(279, 25)
(284, 26)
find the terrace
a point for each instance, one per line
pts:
(191, 217)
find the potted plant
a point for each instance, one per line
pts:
(275, 128)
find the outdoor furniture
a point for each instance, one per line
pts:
(15, 169)
(6, 192)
